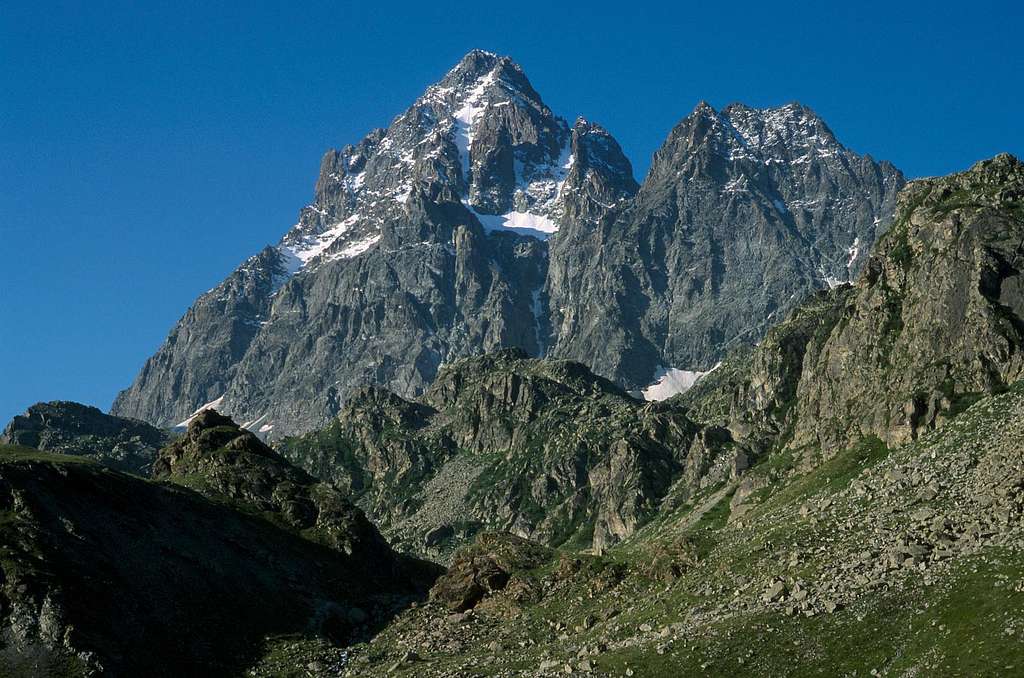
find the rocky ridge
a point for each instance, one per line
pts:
(932, 323)
(742, 214)
(70, 428)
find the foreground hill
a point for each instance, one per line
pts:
(104, 573)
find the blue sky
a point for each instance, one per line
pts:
(147, 148)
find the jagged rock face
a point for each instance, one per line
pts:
(478, 220)
(70, 428)
(935, 319)
(107, 574)
(743, 213)
(543, 449)
(225, 462)
(753, 393)
(202, 352)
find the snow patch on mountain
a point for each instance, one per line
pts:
(670, 381)
(252, 423)
(537, 186)
(212, 405)
(830, 280)
(737, 185)
(309, 247)
(466, 115)
(356, 248)
(303, 250)
(853, 252)
(787, 134)
(524, 223)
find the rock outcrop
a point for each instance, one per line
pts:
(70, 428)
(485, 567)
(937, 316)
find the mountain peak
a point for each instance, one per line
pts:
(703, 108)
(476, 61)
(1004, 162)
(788, 134)
(793, 127)
(401, 224)
(478, 65)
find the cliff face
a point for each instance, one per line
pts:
(937, 317)
(742, 214)
(425, 242)
(934, 321)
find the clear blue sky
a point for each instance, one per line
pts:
(147, 148)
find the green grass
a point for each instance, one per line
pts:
(836, 473)
(704, 533)
(17, 453)
(958, 630)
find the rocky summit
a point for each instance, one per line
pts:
(480, 220)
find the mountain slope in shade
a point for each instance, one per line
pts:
(105, 573)
(479, 219)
